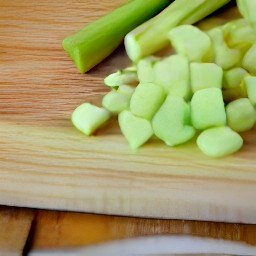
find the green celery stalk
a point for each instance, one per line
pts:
(151, 36)
(96, 41)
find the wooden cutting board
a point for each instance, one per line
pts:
(46, 163)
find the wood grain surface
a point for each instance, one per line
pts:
(66, 229)
(51, 230)
(46, 163)
(15, 226)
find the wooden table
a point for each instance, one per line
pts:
(30, 229)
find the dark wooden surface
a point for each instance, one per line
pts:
(41, 229)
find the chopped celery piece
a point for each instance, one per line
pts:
(247, 9)
(232, 78)
(205, 75)
(199, 47)
(118, 99)
(122, 77)
(240, 115)
(239, 33)
(219, 141)
(224, 56)
(126, 90)
(87, 118)
(249, 60)
(96, 41)
(250, 85)
(152, 36)
(146, 100)
(172, 74)
(145, 69)
(207, 108)
(136, 130)
(115, 102)
(170, 123)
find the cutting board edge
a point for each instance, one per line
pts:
(170, 199)
(179, 217)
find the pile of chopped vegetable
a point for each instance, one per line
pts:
(207, 88)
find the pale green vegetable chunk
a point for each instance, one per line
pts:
(136, 130)
(115, 102)
(145, 69)
(247, 9)
(239, 34)
(170, 123)
(240, 115)
(205, 75)
(249, 60)
(219, 141)
(126, 90)
(232, 78)
(250, 84)
(146, 100)
(191, 42)
(118, 100)
(172, 74)
(122, 77)
(207, 109)
(87, 118)
(224, 56)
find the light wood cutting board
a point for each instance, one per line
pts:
(46, 163)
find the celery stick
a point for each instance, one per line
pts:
(206, 7)
(96, 41)
(152, 35)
